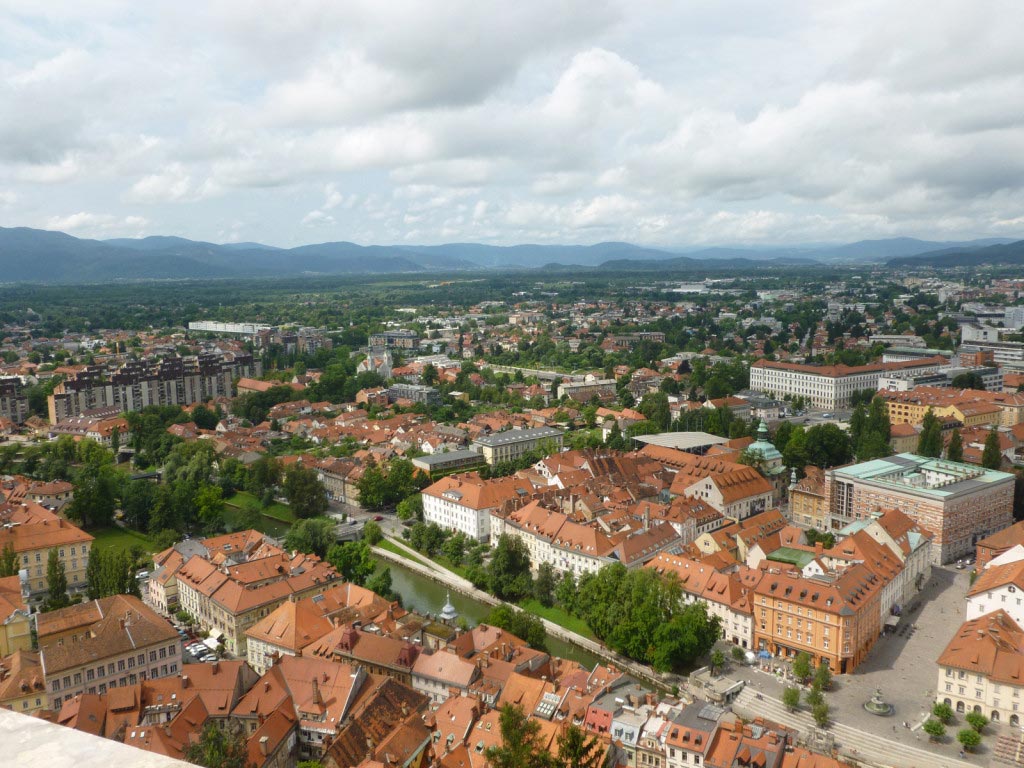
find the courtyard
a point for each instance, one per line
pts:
(902, 665)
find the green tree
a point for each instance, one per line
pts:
(372, 534)
(314, 536)
(689, 634)
(521, 745)
(373, 488)
(955, 449)
(828, 446)
(717, 660)
(380, 583)
(929, 443)
(942, 711)
(410, 508)
(791, 698)
(565, 592)
(218, 746)
(544, 585)
(738, 654)
(264, 474)
(823, 676)
(814, 696)
(304, 491)
(353, 561)
(95, 496)
(969, 739)
(454, 548)
(8, 561)
(821, 712)
(991, 455)
(934, 728)
(56, 583)
(578, 749)
(204, 418)
(976, 720)
(968, 380)
(509, 570)
(802, 666)
(209, 503)
(523, 625)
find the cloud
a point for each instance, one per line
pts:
(649, 121)
(99, 225)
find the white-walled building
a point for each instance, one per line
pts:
(464, 502)
(831, 386)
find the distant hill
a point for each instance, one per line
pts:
(1001, 253)
(862, 250)
(33, 255)
(531, 255)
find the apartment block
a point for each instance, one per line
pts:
(137, 384)
(13, 401)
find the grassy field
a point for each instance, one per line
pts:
(276, 510)
(558, 616)
(119, 539)
(391, 547)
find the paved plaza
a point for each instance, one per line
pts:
(902, 665)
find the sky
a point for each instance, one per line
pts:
(668, 123)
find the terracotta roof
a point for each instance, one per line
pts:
(21, 675)
(33, 527)
(995, 576)
(126, 624)
(11, 599)
(991, 645)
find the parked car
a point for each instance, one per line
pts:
(378, 518)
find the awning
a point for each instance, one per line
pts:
(892, 621)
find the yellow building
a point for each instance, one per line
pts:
(15, 622)
(807, 505)
(33, 530)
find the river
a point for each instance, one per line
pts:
(425, 596)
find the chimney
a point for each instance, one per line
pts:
(264, 745)
(184, 681)
(266, 686)
(647, 516)
(316, 691)
(818, 548)
(215, 667)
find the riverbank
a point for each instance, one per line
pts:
(415, 562)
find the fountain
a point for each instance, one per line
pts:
(878, 706)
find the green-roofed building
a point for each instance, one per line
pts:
(958, 503)
(792, 556)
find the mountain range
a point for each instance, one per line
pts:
(33, 255)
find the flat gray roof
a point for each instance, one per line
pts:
(442, 458)
(682, 441)
(518, 435)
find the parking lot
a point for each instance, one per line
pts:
(194, 650)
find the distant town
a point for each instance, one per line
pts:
(754, 521)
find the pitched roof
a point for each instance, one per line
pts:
(126, 624)
(991, 645)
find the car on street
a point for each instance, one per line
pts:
(378, 518)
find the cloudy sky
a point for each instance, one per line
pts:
(670, 123)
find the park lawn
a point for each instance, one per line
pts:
(121, 539)
(558, 616)
(277, 510)
(391, 547)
